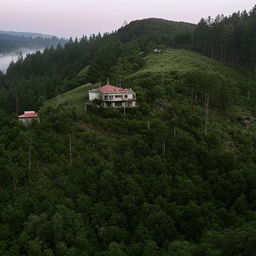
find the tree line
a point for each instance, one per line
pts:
(230, 39)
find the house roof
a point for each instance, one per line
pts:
(29, 114)
(113, 89)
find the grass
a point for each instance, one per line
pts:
(183, 61)
(83, 72)
(75, 98)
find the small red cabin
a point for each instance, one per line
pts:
(28, 117)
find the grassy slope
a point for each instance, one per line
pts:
(183, 61)
(180, 61)
(175, 64)
(75, 98)
(170, 61)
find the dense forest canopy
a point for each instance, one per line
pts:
(230, 39)
(175, 176)
(158, 32)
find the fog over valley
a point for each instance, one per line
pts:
(7, 58)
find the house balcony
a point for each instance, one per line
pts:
(118, 99)
(123, 104)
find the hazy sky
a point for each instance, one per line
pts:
(78, 17)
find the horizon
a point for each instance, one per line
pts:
(75, 18)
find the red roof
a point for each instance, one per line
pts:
(29, 114)
(113, 89)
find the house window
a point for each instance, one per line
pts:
(126, 96)
(105, 97)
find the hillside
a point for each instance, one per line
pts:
(183, 75)
(152, 182)
(158, 31)
(121, 52)
(176, 63)
(183, 61)
(175, 176)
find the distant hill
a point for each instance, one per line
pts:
(158, 31)
(10, 43)
(25, 34)
(140, 37)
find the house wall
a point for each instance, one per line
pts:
(118, 97)
(115, 100)
(93, 96)
(118, 104)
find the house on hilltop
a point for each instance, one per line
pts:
(28, 117)
(114, 97)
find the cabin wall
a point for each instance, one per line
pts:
(28, 120)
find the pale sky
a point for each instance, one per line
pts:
(67, 18)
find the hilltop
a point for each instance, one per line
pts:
(158, 31)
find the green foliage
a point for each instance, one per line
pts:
(157, 32)
(174, 176)
(228, 39)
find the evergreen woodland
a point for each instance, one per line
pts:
(175, 176)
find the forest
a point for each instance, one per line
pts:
(230, 39)
(175, 176)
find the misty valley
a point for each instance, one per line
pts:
(7, 58)
(12, 44)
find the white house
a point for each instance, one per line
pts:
(157, 50)
(28, 117)
(115, 97)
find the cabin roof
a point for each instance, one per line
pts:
(29, 114)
